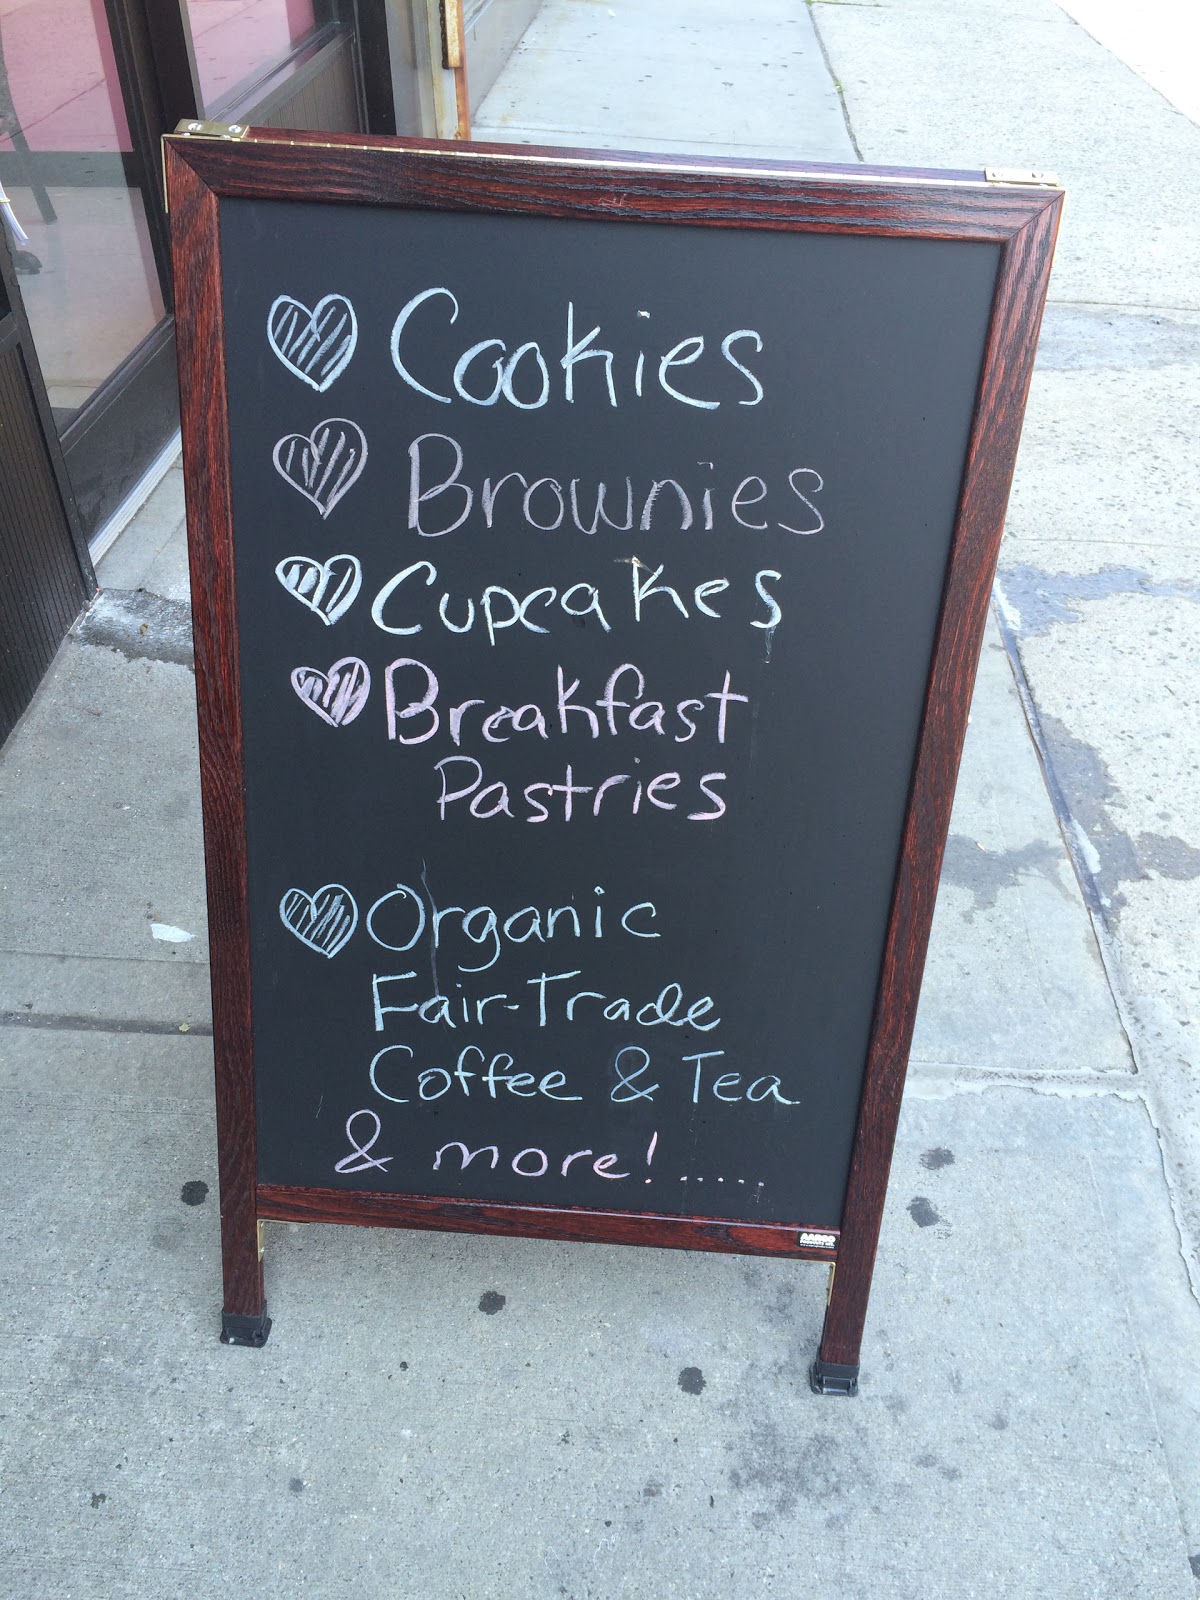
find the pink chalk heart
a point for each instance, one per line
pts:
(325, 464)
(337, 696)
(323, 921)
(327, 587)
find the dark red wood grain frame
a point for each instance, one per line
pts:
(332, 169)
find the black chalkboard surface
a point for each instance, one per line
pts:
(583, 571)
(733, 761)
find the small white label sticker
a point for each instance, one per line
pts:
(819, 1241)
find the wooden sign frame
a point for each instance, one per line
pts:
(1018, 212)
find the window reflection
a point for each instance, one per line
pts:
(236, 42)
(87, 269)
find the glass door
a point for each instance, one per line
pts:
(282, 63)
(87, 87)
(89, 278)
(237, 43)
(79, 222)
(88, 386)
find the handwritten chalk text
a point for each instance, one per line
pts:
(463, 779)
(399, 920)
(400, 607)
(622, 707)
(489, 371)
(441, 500)
(668, 1008)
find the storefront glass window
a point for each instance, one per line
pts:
(237, 42)
(76, 222)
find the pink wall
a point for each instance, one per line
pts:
(62, 76)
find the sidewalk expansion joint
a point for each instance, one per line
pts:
(1068, 831)
(81, 1024)
(935, 1080)
(61, 957)
(833, 77)
(1124, 305)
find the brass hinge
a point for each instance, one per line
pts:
(192, 129)
(1022, 179)
(829, 1285)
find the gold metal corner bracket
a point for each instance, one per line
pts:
(1018, 177)
(193, 128)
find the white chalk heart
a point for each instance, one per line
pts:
(337, 696)
(323, 921)
(324, 465)
(327, 587)
(316, 345)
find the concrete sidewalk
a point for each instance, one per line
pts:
(463, 1417)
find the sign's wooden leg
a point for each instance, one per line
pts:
(835, 1371)
(244, 1319)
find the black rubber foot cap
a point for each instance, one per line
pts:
(239, 1329)
(830, 1377)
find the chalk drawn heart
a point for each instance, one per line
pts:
(337, 696)
(325, 464)
(316, 345)
(323, 921)
(327, 587)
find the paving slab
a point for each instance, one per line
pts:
(107, 993)
(1159, 39)
(1014, 982)
(1108, 474)
(100, 813)
(1115, 686)
(157, 526)
(1033, 90)
(168, 575)
(701, 75)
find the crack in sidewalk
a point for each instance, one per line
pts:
(833, 77)
(1126, 1007)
